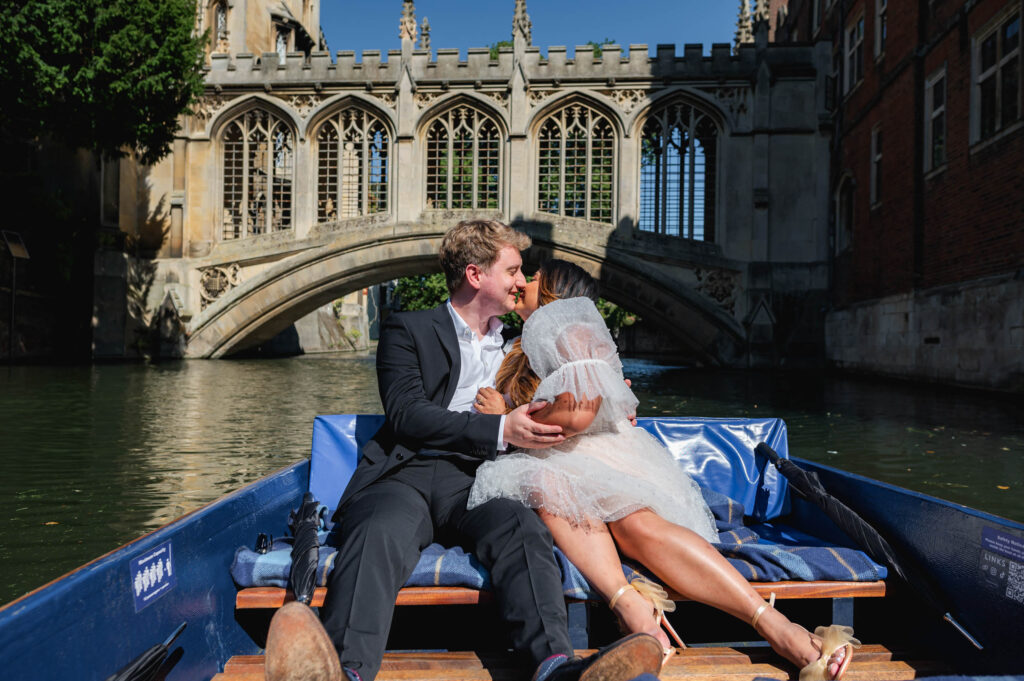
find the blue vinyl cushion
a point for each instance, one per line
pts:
(717, 453)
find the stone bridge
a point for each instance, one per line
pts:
(694, 185)
(690, 293)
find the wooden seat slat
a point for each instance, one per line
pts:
(274, 597)
(703, 664)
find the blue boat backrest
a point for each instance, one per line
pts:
(717, 453)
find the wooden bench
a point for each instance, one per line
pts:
(274, 597)
(841, 594)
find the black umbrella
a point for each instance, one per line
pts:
(809, 487)
(305, 523)
(145, 666)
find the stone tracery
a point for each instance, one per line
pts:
(257, 173)
(576, 164)
(463, 160)
(353, 158)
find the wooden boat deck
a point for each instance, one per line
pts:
(870, 662)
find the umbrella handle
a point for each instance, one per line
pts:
(763, 449)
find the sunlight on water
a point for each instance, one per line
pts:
(94, 456)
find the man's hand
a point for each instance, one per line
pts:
(489, 401)
(522, 431)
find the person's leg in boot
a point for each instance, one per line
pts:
(299, 648)
(380, 536)
(515, 546)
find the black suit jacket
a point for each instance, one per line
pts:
(417, 373)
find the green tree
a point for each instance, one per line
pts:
(427, 291)
(498, 45)
(599, 47)
(424, 292)
(106, 75)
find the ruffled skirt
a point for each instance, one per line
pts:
(598, 476)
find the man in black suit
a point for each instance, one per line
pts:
(411, 485)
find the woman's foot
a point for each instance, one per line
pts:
(805, 649)
(636, 616)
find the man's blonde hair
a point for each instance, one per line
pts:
(476, 242)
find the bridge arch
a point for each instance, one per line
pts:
(260, 308)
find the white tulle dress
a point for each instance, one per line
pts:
(611, 469)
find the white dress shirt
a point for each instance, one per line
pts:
(479, 359)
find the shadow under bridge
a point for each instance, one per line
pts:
(260, 308)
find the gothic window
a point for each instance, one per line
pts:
(259, 161)
(352, 166)
(678, 173)
(463, 160)
(576, 164)
(997, 83)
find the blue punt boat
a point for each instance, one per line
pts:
(97, 619)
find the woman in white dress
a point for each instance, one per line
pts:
(612, 487)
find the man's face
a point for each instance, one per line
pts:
(502, 282)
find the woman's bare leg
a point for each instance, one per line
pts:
(592, 550)
(690, 565)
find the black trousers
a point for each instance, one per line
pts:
(384, 528)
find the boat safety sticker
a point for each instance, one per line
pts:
(152, 575)
(1002, 562)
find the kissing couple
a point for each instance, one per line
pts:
(504, 448)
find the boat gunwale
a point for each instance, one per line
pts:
(168, 528)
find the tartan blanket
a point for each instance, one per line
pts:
(766, 552)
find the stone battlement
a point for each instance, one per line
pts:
(448, 67)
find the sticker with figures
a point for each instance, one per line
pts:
(1002, 563)
(152, 575)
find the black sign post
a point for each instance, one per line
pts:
(17, 250)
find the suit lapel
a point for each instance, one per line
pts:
(445, 329)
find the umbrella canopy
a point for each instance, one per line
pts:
(305, 523)
(807, 485)
(146, 665)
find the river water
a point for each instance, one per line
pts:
(93, 456)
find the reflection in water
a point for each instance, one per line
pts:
(91, 457)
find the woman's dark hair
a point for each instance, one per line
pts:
(558, 279)
(563, 279)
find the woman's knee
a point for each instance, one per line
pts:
(635, 531)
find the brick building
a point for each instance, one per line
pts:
(927, 218)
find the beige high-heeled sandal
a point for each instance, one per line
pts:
(661, 603)
(833, 638)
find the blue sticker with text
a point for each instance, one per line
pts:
(1003, 543)
(152, 575)
(1002, 563)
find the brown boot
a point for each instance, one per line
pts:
(623, 660)
(298, 648)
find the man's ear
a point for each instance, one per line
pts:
(473, 275)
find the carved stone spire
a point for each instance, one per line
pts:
(407, 24)
(763, 11)
(744, 25)
(521, 24)
(425, 34)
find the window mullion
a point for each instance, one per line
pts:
(588, 164)
(562, 135)
(691, 181)
(473, 201)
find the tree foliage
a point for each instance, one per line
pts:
(599, 46)
(107, 75)
(427, 291)
(424, 292)
(495, 47)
